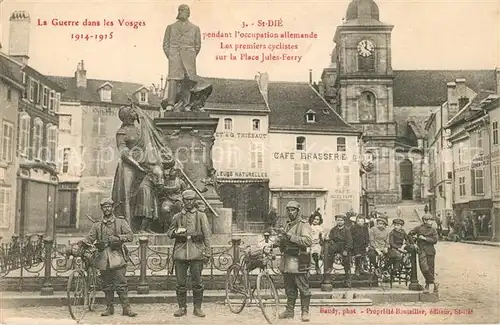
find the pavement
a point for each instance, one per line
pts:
(468, 293)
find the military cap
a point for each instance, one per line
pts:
(107, 201)
(398, 222)
(340, 216)
(293, 204)
(189, 194)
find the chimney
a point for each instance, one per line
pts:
(81, 76)
(497, 75)
(263, 81)
(461, 88)
(19, 36)
(452, 102)
(310, 76)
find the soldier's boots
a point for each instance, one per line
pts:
(127, 311)
(181, 301)
(288, 313)
(110, 309)
(304, 304)
(197, 301)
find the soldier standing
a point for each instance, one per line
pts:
(294, 241)
(110, 233)
(191, 231)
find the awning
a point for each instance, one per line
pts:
(242, 180)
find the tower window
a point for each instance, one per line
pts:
(367, 107)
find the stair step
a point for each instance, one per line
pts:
(317, 302)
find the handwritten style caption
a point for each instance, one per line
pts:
(410, 311)
(259, 41)
(84, 27)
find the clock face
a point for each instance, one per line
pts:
(365, 48)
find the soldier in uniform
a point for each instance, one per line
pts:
(109, 235)
(294, 242)
(191, 231)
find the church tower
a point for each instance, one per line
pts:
(362, 90)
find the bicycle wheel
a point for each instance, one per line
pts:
(236, 288)
(92, 287)
(77, 294)
(268, 297)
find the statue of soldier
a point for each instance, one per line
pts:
(171, 194)
(294, 241)
(109, 235)
(191, 231)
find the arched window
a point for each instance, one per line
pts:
(37, 138)
(51, 142)
(367, 107)
(228, 124)
(24, 133)
(300, 143)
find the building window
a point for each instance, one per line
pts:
(34, 94)
(495, 132)
(341, 144)
(228, 124)
(52, 101)
(257, 155)
(65, 123)
(256, 125)
(347, 176)
(461, 153)
(106, 94)
(9, 94)
(99, 125)
(461, 186)
(310, 117)
(496, 176)
(367, 107)
(37, 138)
(65, 162)
(5, 207)
(143, 97)
(45, 101)
(479, 142)
(7, 141)
(99, 163)
(24, 133)
(301, 174)
(300, 143)
(51, 142)
(477, 181)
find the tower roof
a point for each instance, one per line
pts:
(363, 10)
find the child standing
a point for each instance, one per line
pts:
(397, 243)
(379, 241)
(316, 221)
(426, 237)
(341, 243)
(360, 241)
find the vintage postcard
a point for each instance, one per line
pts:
(281, 162)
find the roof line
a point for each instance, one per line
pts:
(328, 105)
(12, 60)
(13, 82)
(450, 122)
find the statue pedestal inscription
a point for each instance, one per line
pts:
(190, 136)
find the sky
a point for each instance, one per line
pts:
(427, 34)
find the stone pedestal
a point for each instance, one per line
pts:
(190, 135)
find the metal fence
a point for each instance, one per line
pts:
(41, 261)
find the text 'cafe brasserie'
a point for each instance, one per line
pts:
(324, 156)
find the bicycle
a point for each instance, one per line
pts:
(82, 281)
(238, 283)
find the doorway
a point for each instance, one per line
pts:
(406, 179)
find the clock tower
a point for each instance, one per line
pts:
(359, 84)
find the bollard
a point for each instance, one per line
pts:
(326, 282)
(47, 289)
(414, 285)
(236, 242)
(143, 286)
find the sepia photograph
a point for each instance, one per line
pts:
(242, 162)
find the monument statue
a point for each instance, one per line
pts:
(148, 178)
(186, 91)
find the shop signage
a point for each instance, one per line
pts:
(342, 194)
(239, 174)
(239, 135)
(319, 156)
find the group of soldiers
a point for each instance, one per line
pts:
(191, 231)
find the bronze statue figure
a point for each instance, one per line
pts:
(186, 91)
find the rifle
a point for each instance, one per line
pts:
(182, 171)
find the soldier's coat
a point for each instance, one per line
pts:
(300, 233)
